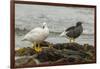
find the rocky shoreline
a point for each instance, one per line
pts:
(68, 53)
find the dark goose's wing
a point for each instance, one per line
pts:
(70, 28)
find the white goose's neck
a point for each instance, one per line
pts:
(45, 28)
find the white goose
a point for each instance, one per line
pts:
(36, 36)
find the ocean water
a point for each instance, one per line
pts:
(58, 19)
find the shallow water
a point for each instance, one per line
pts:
(28, 17)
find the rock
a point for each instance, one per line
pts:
(88, 47)
(74, 59)
(60, 61)
(72, 46)
(31, 61)
(25, 52)
(68, 53)
(45, 44)
(24, 61)
(49, 55)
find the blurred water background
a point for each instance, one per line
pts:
(28, 17)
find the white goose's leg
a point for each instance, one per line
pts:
(38, 48)
(34, 45)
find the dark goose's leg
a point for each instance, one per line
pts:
(71, 40)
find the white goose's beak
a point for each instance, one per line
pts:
(63, 34)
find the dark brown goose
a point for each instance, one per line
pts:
(73, 32)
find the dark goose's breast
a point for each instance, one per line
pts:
(75, 32)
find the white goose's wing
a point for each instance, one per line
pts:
(31, 36)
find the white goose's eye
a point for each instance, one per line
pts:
(43, 26)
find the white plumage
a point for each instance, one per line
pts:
(37, 35)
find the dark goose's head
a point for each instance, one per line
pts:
(78, 23)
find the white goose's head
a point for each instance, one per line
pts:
(44, 25)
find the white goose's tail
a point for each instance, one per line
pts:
(24, 39)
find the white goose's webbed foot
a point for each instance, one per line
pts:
(36, 47)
